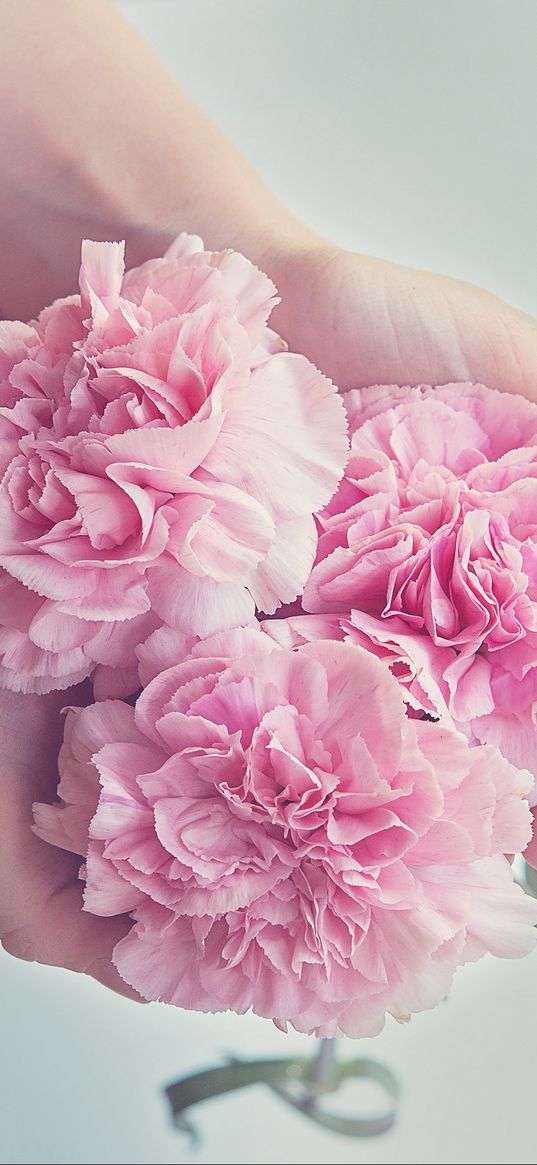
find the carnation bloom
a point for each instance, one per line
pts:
(287, 838)
(428, 554)
(162, 459)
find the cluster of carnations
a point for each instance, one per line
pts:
(306, 810)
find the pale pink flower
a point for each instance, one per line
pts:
(287, 839)
(162, 459)
(428, 555)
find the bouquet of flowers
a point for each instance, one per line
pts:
(311, 752)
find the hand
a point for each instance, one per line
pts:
(87, 168)
(41, 916)
(364, 321)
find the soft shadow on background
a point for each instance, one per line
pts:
(406, 130)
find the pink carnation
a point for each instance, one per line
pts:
(162, 459)
(287, 839)
(428, 554)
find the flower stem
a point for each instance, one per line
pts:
(322, 1071)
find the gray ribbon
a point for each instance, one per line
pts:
(303, 1083)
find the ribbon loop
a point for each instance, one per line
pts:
(301, 1083)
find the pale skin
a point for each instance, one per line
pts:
(101, 143)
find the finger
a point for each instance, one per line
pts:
(58, 932)
(41, 915)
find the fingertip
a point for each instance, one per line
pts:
(104, 972)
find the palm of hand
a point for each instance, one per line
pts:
(362, 322)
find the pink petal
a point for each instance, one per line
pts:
(281, 576)
(292, 418)
(197, 606)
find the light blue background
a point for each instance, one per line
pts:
(404, 128)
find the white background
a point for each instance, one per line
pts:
(403, 128)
